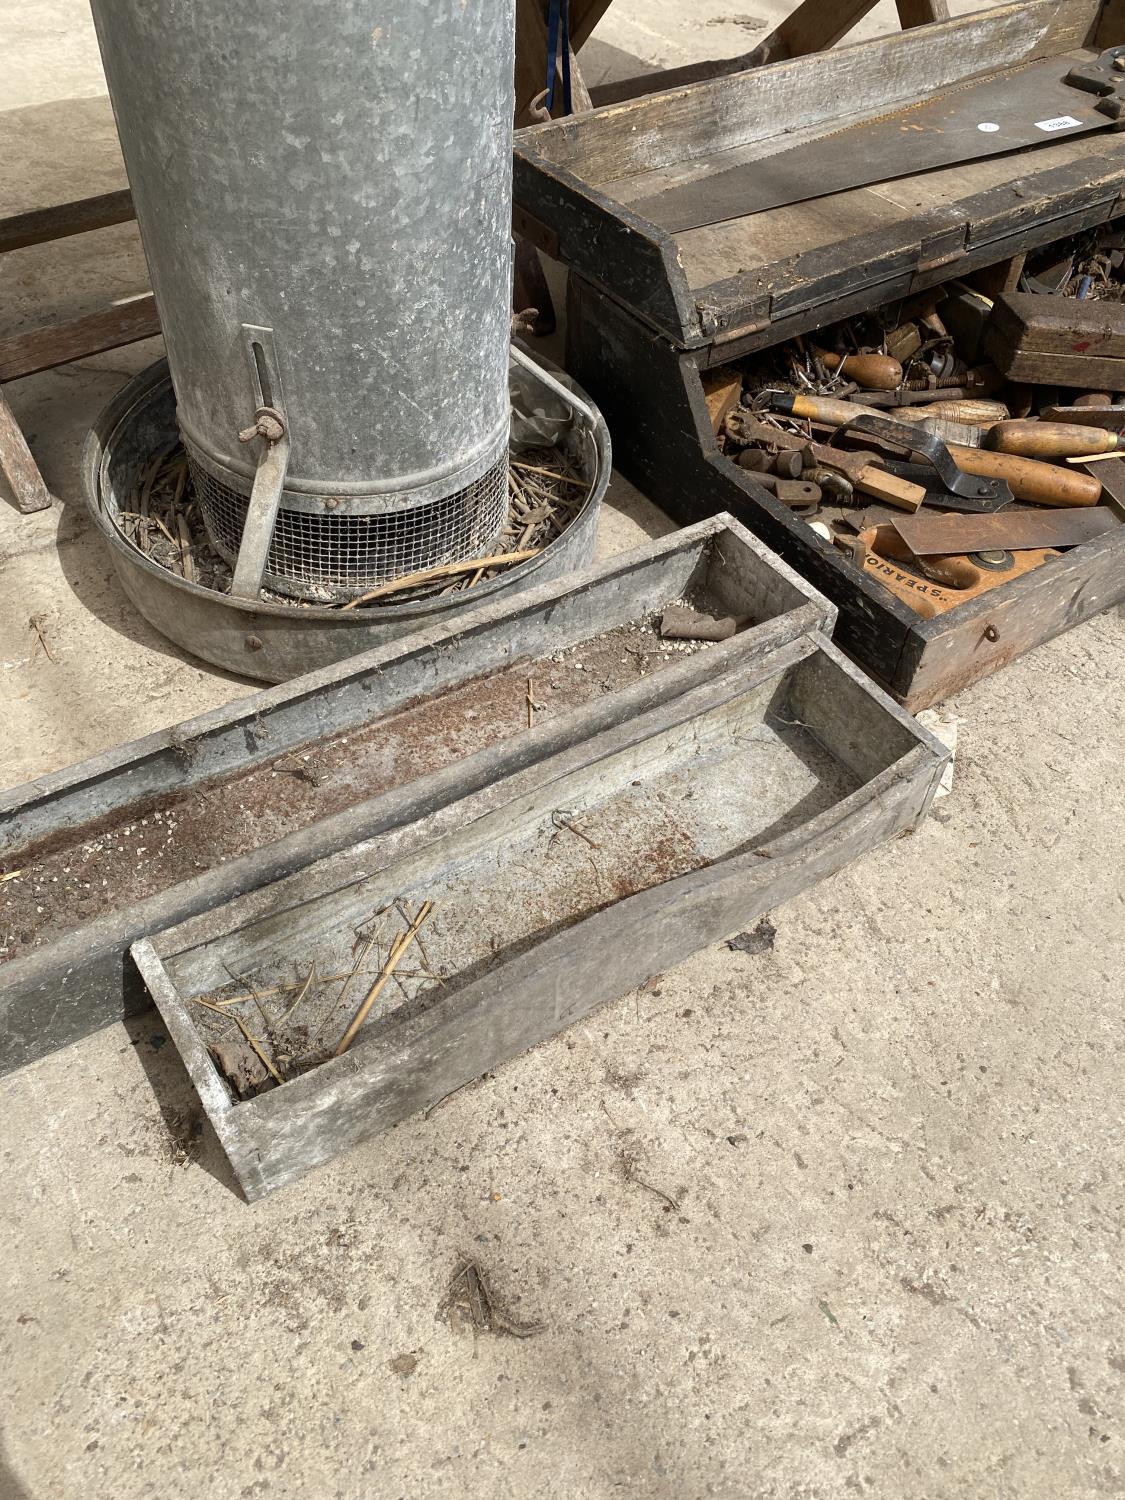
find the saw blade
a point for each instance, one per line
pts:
(1009, 111)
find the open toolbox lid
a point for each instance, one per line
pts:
(576, 179)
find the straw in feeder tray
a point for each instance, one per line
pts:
(162, 520)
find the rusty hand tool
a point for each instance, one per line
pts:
(755, 460)
(748, 430)
(872, 479)
(786, 464)
(796, 493)
(1009, 530)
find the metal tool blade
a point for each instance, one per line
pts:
(1112, 477)
(1013, 530)
(936, 495)
(944, 482)
(1008, 111)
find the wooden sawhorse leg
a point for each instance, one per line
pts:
(17, 465)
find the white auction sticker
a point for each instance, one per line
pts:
(1060, 122)
(988, 126)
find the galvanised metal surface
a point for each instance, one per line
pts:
(324, 195)
(273, 642)
(420, 741)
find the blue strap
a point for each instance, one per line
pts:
(558, 36)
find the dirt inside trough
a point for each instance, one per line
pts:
(72, 878)
(284, 1014)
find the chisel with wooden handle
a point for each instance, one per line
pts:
(1051, 440)
(819, 408)
(1040, 483)
(834, 413)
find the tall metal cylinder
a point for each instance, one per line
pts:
(324, 194)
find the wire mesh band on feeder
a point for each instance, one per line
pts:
(167, 519)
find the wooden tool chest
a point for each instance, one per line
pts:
(655, 318)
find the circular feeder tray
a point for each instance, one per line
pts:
(272, 639)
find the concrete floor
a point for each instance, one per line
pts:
(895, 1139)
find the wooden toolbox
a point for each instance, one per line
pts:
(1057, 341)
(654, 315)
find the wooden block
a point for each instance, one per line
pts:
(903, 341)
(1003, 276)
(965, 313)
(890, 488)
(722, 389)
(1057, 341)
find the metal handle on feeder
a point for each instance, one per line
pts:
(265, 498)
(545, 377)
(272, 426)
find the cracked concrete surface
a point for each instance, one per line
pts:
(894, 1139)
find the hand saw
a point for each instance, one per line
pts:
(1026, 106)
